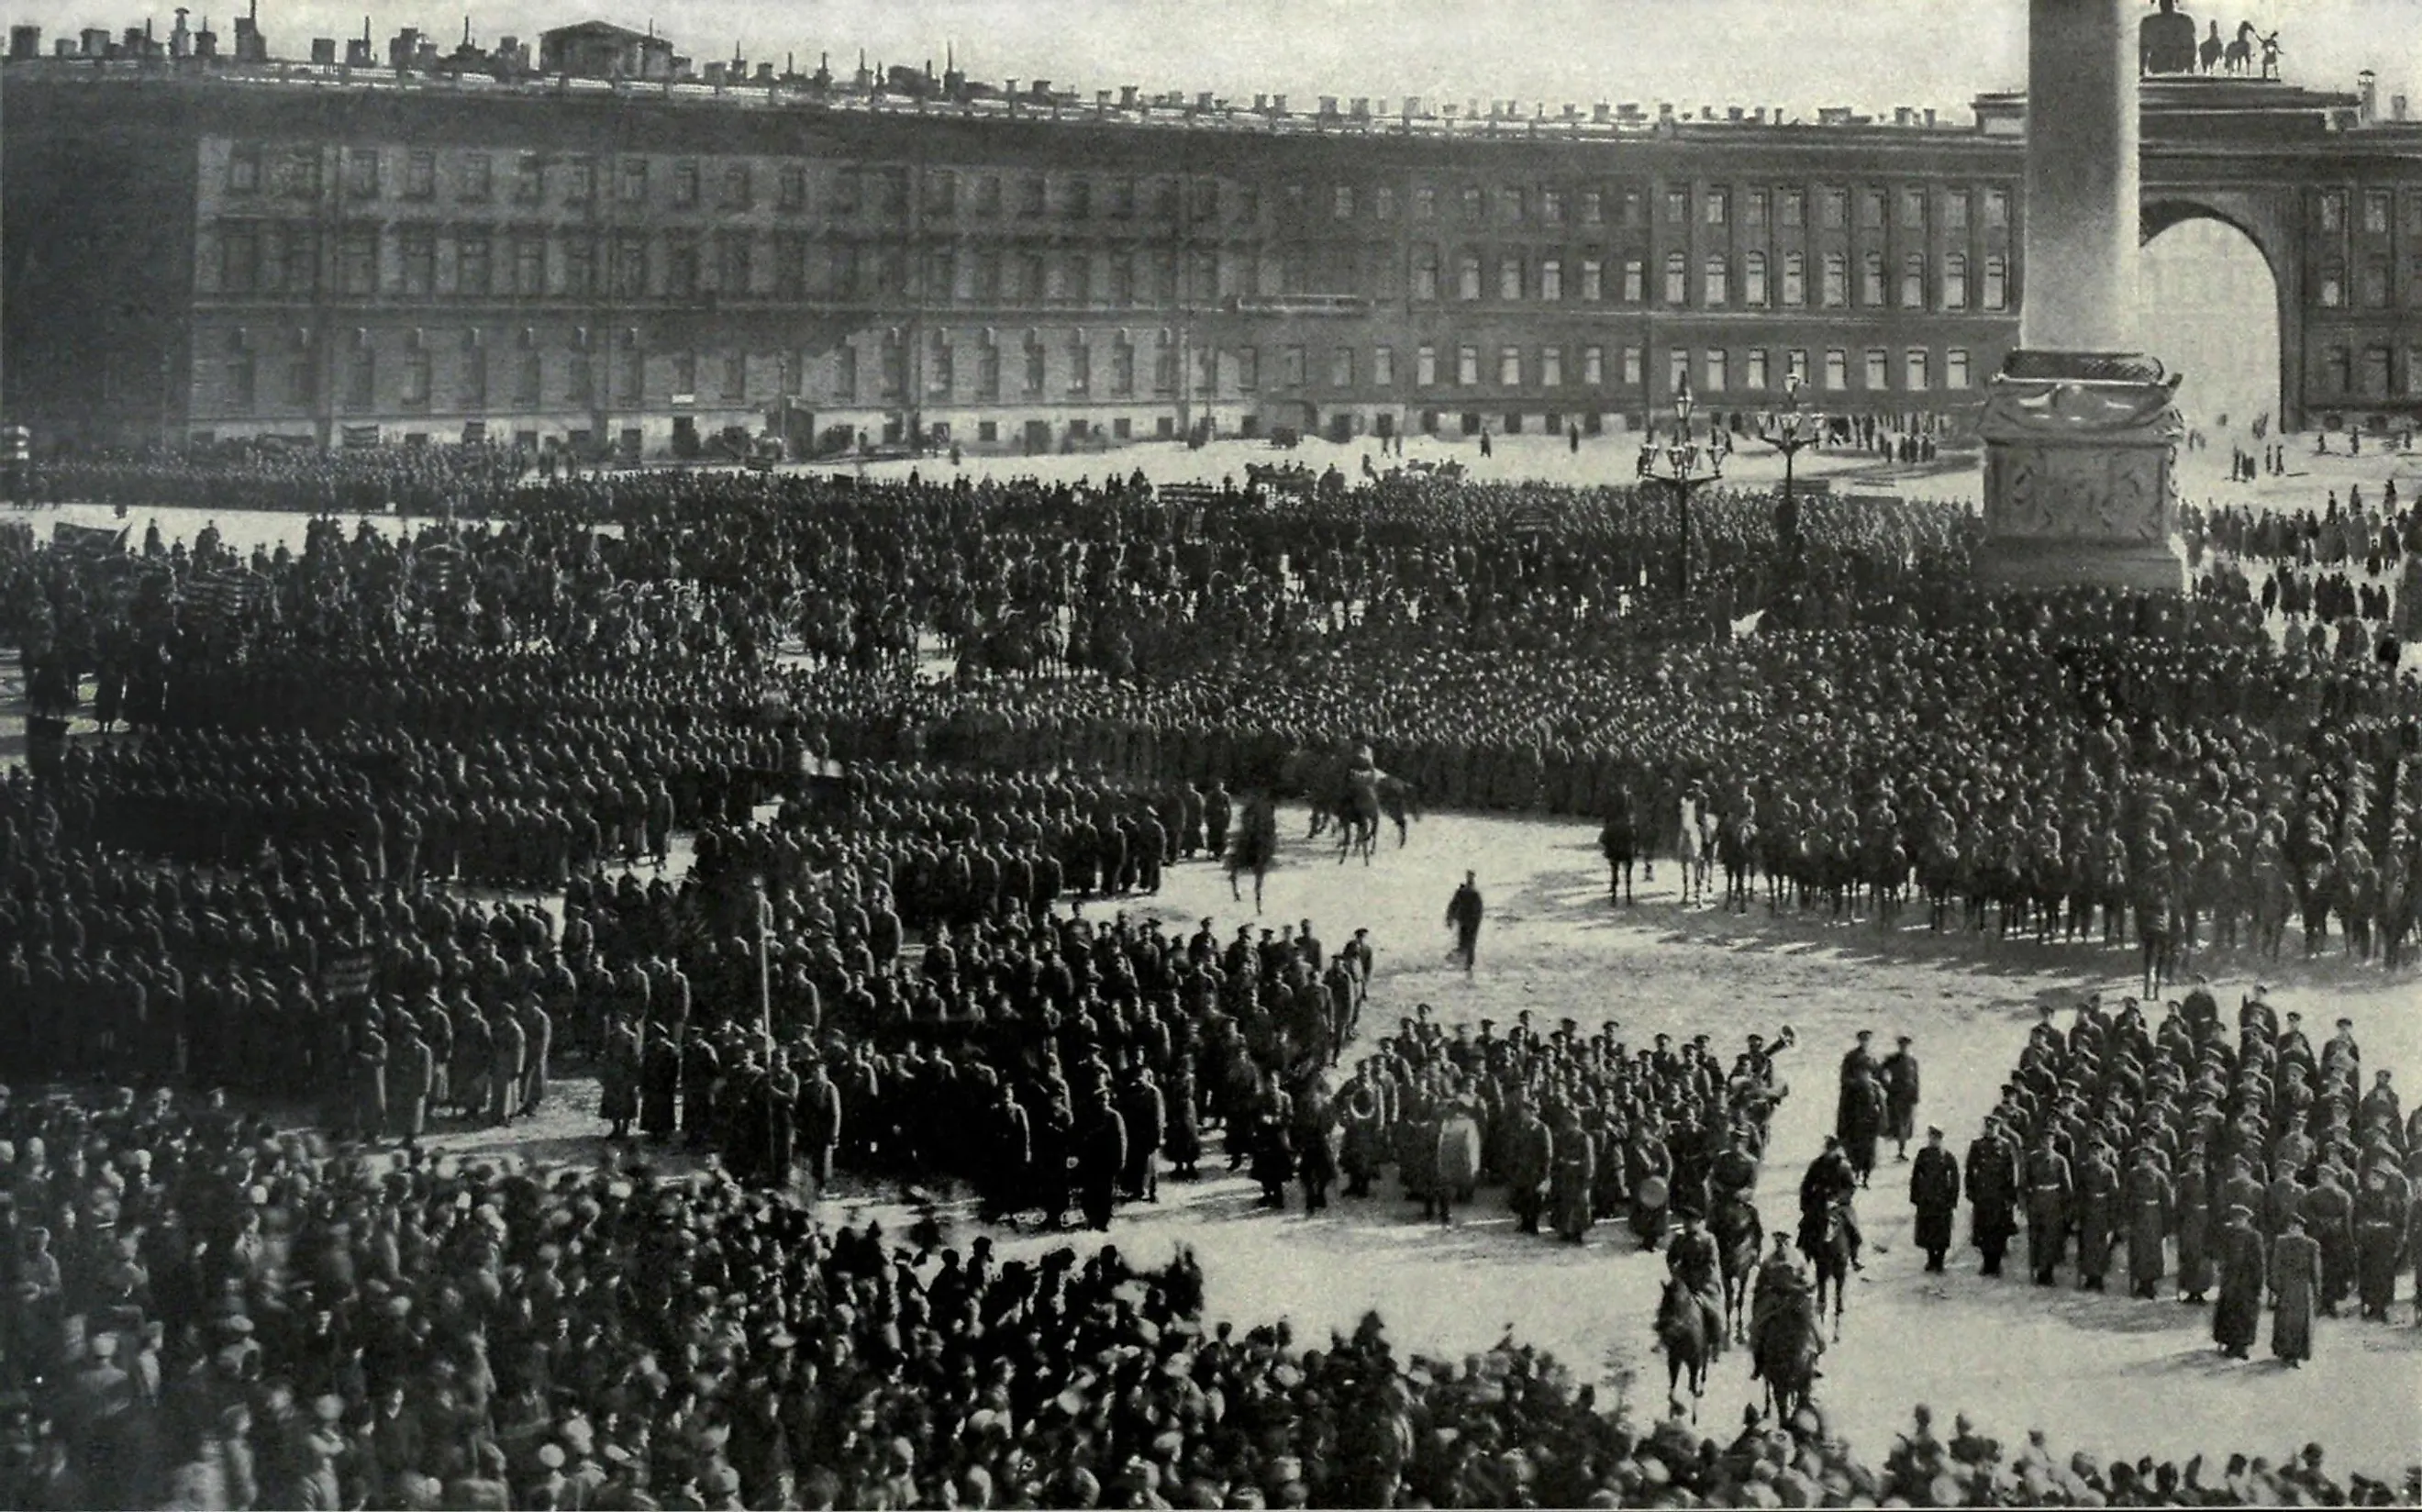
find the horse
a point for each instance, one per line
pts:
(1740, 1235)
(1355, 808)
(1939, 870)
(1785, 1346)
(1779, 856)
(2238, 57)
(1690, 854)
(1253, 846)
(1737, 852)
(1829, 1255)
(1619, 843)
(1682, 1333)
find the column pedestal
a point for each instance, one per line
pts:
(2079, 488)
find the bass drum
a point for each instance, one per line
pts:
(1651, 1194)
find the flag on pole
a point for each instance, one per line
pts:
(87, 540)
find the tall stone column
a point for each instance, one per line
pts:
(2081, 430)
(2083, 177)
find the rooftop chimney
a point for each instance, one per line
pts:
(181, 37)
(25, 42)
(250, 45)
(1127, 96)
(2397, 107)
(2366, 89)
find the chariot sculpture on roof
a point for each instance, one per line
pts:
(2166, 45)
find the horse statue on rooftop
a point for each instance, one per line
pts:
(2238, 57)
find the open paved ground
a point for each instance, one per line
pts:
(2097, 1371)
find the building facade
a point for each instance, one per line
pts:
(198, 248)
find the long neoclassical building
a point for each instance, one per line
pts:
(605, 248)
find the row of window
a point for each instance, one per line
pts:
(1713, 370)
(2377, 210)
(524, 376)
(473, 176)
(1755, 281)
(1114, 367)
(417, 261)
(357, 389)
(476, 177)
(2370, 374)
(272, 258)
(1919, 205)
(2373, 286)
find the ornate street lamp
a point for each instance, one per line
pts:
(1787, 433)
(1679, 467)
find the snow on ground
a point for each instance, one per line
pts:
(2103, 1373)
(2098, 1372)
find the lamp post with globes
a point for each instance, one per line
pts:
(1684, 468)
(1787, 433)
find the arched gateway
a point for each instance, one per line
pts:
(2177, 313)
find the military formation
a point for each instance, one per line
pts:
(2160, 1149)
(205, 1313)
(820, 820)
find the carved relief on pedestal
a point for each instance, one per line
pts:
(2078, 493)
(2080, 459)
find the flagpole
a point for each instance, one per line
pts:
(764, 910)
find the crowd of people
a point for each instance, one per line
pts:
(274, 474)
(202, 1313)
(2239, 1169)
(920, 743)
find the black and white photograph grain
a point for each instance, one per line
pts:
(966, 754)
